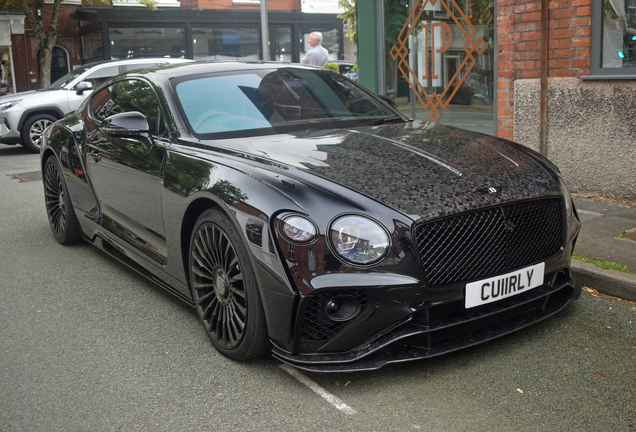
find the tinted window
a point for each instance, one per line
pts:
(102, 74)
(126, 96)
(273, 98)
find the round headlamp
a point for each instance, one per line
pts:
(298, 229)
(358, 240)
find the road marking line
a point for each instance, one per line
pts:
(333, 400)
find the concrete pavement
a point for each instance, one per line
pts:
(608, 234)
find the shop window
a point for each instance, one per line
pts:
(92, 47)
(229, 43)
(146, 42)
(330, 42)
(613, 39)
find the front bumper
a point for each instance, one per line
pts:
(433, 330)
(9, 132)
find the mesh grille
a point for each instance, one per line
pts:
(479, 244)
(317, 326)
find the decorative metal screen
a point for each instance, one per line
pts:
(484, 243)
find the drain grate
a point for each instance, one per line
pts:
(27, 177)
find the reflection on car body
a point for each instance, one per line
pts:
(254, 192)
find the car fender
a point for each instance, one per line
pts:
(63, 142)
(50, 109)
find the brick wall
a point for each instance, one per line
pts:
(519, 41)
(290, 5)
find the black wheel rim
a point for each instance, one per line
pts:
(55, 205)
(218, 286)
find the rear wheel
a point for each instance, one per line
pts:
(59, 209)
(224, 288)
(33, 130)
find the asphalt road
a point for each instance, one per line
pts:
(88, 345)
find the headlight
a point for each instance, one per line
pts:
(7, 105)
(299, 229)
(358, 240)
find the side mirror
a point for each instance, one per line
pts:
(389, 101)
(132, 124)
(82, 87)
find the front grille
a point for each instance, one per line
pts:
(317, 326)
(483, 243)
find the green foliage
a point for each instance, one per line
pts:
(349, 17)
(603, 264)
(332, 66)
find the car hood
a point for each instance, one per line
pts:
(31, 94)
(424, 170)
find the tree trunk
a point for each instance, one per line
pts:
(46, 55)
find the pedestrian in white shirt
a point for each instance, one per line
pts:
(317, 56)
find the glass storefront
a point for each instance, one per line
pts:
(440, 60)
(280, 37)
(619, 34)
(226, 43)
(330, 41)
(146, 42)
(92, 47)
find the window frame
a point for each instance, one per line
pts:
(597, 71)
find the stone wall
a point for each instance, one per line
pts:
(591, 131)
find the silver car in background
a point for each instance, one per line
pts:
(24, 116)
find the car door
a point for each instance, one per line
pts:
(126, 172)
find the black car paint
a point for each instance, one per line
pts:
(399, 174)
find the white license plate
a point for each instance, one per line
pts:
(504, 286)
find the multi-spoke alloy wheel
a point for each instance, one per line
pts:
(218, 286)
(33, 130)
(224, 288)
(58, 205)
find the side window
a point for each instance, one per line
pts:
(100, 75)
(125, 96)
(129, 67)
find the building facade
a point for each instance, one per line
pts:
(194, 29)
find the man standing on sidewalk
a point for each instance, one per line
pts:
(317, 56)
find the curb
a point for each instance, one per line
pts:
(610, 282)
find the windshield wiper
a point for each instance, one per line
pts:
(380, 121)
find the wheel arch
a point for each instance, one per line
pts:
(194, 210)
(52, 111)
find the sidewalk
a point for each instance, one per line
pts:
(602, 222)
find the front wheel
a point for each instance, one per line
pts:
(224, 288)
(59, 209)
(34, 129)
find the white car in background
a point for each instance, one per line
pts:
(24, 116)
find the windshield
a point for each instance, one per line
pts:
(280, 100)
(66, 79)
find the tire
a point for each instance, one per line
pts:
(59, 209)
(33, 129)
(224, 288)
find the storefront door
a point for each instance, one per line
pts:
(440, 60)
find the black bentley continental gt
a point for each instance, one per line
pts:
(304, 216)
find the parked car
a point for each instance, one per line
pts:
(25, 115)
(300, 214)
(346, 68)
